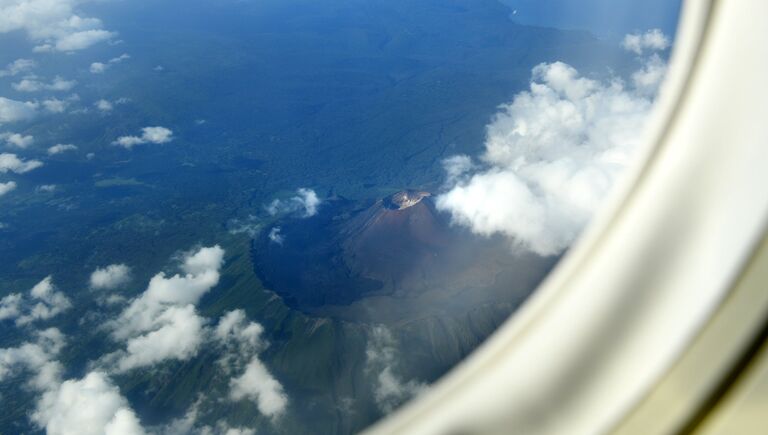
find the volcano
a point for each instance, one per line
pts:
(399, 247)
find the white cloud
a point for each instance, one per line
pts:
(81, 40)
(113, 299)
(32, 84)
(17, 140)
(7, 187)
(652, 40)
(242, 342)
(54, 105)
(456, 167)
(118, 59)
(648, 78)
(18, 66)
(551, 156)
(103, 105)
(175, 333)
(13, 110)
(156, 135)
(46, 188)
(390, 390)
(60, 85)
(12, 163)
(101, 67)
(61, 148)
(184, 425)
(98, 67)
(275, 236)
(36, 357)
(188, 425)
(110, 277)
(306, 201)
(91, 405)
(240, 339)
(54, 24)
(107, 106)
(162, 323)
(249, 225)
(88, 406)
(235, 330)
(222, 428)
(44, 303)
(258, 385)
(10, 306)
(204, 261)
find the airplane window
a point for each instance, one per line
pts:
(292, 216)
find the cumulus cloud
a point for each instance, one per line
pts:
(7, 187)
(647, 79)
(552, 154)
(44, 302)
(10, 306)
(107, 106)
(92, 405)
(390, 390)
(275, 236)
(98, 67)
(32, 84)
(54, 105)
(103, 105)
(17, 140)
(162, 323)
(242, 342)
(175, 333)
(12, 163)
(188, 425)
(222, 428)
(37, 357)
(61, 148)
(257, 384)
(156, 135)
(46, 188)
(456, 167)
(305, 201)
(88, 406)
(101, 67)
(18, 66)
(110, 277)
(651, 40)
(54, 24)
(13, 110)
(241, 337)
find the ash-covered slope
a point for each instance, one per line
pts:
(365, 263)
(395, 238)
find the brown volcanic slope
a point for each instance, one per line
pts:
(399, 258)
(401, 243)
